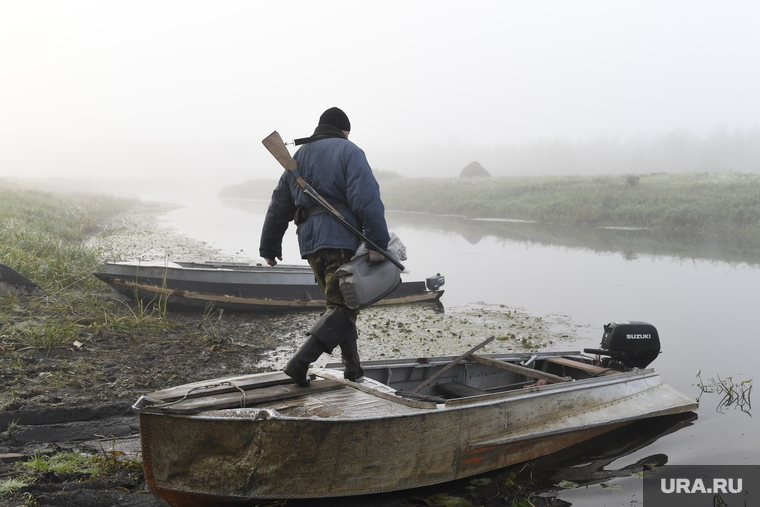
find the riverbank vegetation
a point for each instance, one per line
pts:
(698, 203)
(42, 234)
(77, 348)
(724, 206)
(72, 361)
(43, 237)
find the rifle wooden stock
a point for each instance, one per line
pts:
(276, 146)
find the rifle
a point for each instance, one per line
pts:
(276, 146)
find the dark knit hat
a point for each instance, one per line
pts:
(336, 118)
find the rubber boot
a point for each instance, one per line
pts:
(298, 366)
(324, 336)
(349, 356)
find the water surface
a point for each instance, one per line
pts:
(703, 300)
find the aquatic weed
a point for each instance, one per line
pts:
(734, 395)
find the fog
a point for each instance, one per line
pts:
(156, 91)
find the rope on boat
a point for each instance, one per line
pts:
(145, 401)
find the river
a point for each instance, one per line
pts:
(702, 300)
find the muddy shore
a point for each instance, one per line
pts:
(80, 397)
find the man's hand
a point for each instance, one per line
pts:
(375, 257)
(272, 262)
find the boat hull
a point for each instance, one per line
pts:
(229, 475)
(232, 455)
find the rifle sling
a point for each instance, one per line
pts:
(303, 213)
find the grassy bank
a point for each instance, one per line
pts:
(724, 205)
(42, 237)
(42, 234)
(702, 203)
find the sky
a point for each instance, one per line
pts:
(186, 90)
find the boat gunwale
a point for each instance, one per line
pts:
(673, 409)
(466, 404)
(442, 360)
(210, 266)
(274, 303)
(573, 385)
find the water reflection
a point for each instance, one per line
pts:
(580, 273)
(586, 463)
(629, 242)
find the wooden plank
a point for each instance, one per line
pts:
(414, 298)
(570, 363)
(380, 394)
(453, 363)
(516, 368)
(11, 457)
(244, 399)
(220, 386)
(460, 390)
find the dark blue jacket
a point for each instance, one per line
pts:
(338, 170)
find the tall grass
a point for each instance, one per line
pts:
(720, 204)
(42, 234)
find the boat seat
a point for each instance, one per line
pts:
(459, 390)
(589, 368)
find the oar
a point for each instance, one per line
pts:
(516, 368)
(453, 363)
(276, 146)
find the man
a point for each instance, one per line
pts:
(338, 170)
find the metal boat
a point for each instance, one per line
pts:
(240, 286)
(408, 423)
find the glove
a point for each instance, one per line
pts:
(375, 257)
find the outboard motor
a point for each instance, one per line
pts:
(628, 344)
(435, 282)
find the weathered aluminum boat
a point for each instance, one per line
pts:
(239, 286)
(409, 423)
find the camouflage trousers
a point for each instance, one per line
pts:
(324, 263)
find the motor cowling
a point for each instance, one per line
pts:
(435, 282)
(628, 344)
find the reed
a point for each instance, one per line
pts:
(737, 395)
